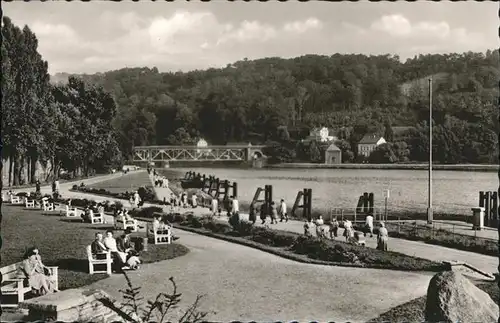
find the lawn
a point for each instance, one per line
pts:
(414, 310)
(129, 182)
(62, 244)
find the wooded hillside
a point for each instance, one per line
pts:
(254, 99)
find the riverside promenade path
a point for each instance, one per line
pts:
(485, 263)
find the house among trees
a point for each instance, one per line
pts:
(368, 144)
(322, 134)
(333, 155)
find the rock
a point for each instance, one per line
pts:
(451, 297)
(82, 305)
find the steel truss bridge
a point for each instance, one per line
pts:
(195, 153)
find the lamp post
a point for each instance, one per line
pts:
(429, 206)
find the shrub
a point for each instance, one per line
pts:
(196, 223)
(170, 217)
(273, 237)
(179, 218)
(189, 217)
(147, 212)
(75, 187)
(146, 193)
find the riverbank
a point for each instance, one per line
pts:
(457, 167)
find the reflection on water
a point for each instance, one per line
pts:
(453, 191)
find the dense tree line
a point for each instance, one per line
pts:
(356, 94)
(64, 126)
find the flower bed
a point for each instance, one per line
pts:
(299, 246)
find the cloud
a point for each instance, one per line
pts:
(399, 26)
(303, 26)
(183, 40)
(395, 25)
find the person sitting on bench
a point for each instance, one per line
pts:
(118, 258)
(37, 274)
(125, 246)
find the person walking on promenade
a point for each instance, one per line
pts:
(283, 214)
(334, 228)
(382, 237)
(369, 225)
(307, 228)
(263, 213)
(235, 206)
(274, 213)
(37, 185)
(215, 206)
(184, 200)
(251, 214)
(348, 231)
(319, 226)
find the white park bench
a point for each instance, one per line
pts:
(13, 285)
(16, 200)
(72, 212)
(122, 224)
(46, 205)
(100, 259)
(96, 218)
(29, 203)
(160, 236)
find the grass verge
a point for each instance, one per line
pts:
(62, 244)
(414, 310)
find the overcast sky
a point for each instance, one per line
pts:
(98, 36)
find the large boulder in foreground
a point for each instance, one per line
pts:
(451, 297)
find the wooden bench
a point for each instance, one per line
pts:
(16, 200)
(46, 205)
(13, 284)
(95, 261)
(122, 224)
(96, 218)
(29, 203)
(159, 236)
(72, 212)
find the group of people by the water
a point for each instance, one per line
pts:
(350, 234)
(182, 201)
(122, 250)
(135, 200)
(272, 211)
(159, 180)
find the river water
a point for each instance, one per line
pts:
(453, 191)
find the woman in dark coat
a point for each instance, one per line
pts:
(263, 213)
(251, 214)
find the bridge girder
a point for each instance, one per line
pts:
(194, 153)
